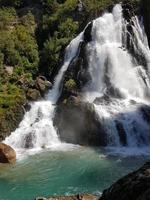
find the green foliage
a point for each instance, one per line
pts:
(18, 45)
(70, 84)
(7, 18)
(9, 96)
(10, 3)
(18, 50)
(68, 28)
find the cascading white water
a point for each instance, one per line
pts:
(119, 86)
(37, 130)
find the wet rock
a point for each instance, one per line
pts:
(29, 140)
(33, 94)
(78, 123)
(88, 33)
(74, 100)
(7, 154)
(42, 84)
(134, 186)
(128, 10)
(145, 111)
(75, 197)
(146, 15)
(121, 133)
(80, 6)
(1, 137)
(27, 106)
(78, 68)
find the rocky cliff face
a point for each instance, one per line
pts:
(145, 9)
(133, 186)
(78, 123)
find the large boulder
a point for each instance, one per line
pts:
(77, 123)
(33, 94)
(7, 154)
(134, 186)
(42, 84)
(75, 197)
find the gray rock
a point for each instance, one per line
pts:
(75, 197)
(78, 123)
(33, 94)
(134, 186)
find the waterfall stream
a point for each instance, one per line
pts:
(36, 131)
(118, 64)
(119, 85)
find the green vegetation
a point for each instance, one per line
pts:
(70, 84)
(18, 55)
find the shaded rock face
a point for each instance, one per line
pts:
(78, 68)
(134, 186)
(145, 111)
(29, 140)
(33, 94)
(146, 15)
(78, 123)
(42, 84)
(75, 197)
(7, 154)
(130, 10)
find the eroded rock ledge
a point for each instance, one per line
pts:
(75, 197)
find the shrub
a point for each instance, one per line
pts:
(70, 84)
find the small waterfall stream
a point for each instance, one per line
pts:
(36, 131)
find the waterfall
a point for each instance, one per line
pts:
(118, 58)
(119, 88)
(37, 130)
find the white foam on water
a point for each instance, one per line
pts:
(129, 152)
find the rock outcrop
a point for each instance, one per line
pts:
(75, 197)
(42, 84)
(134, 186)
(146, 15)
(78, 68)
(78, 123)
(33, 94)
(7, 154)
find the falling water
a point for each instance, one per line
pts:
(37, 130)
(119, 85)
(118, 63)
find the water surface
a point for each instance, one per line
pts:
(63, 173)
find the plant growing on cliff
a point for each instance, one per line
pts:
(70, 84)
